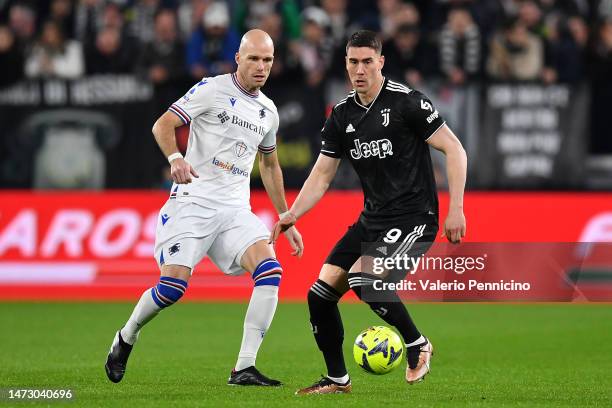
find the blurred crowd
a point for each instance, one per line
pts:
(179, 40)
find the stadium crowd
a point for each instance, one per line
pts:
(165, 40)
(173, 43)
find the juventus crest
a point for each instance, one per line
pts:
(385, 114)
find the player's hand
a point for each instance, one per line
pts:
(282, 225)
(181, 171)
(454, 226)
(295, 240)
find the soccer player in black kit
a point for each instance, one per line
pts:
(384, 129)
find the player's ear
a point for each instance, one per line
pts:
(237, 58)
(382, 61)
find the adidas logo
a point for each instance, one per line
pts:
(382, 250)
(350, 128)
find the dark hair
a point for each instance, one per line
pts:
(365, 38)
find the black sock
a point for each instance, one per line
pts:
(327, 326)
(385, 304)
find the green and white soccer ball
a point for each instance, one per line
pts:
(378, 350)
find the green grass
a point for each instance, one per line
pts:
(486, 355)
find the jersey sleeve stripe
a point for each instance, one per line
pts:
(398, 90)
(398, 85)
(180, 112)
(266, 149)
(330, 153)
(434, 132)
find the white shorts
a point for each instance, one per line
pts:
(187, 232)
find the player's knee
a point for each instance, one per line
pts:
(322, 292)
(268, 272)
(362, 283)
(168, 291)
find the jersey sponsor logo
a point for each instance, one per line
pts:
(232, 100)
(248, 125)
(164, 218)
(379, 148)
(230, 167)
(426, 106)
(433, 116)
(240, 149)
(385, 114)
(223, 116)
(350, 128)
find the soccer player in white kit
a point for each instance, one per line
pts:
(208, 212)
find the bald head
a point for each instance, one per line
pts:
(255, 39)
(254, 59)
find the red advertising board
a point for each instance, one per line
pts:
(94, 246)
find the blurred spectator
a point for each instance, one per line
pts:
(315, 47)
(212, 47)
(601, 87)
(338, 20)
(530, 13)
(54, 56)
(108, 55)
(286, 68)
(250, 13)
(89, 16)
(604, 9)
(190, 14)
(11, 58)
(61, 11)
(162, 60)
(405, 57)
(387, 12)
(141, 20)
(566, 42)
(460, 45)
(515, 54)
(22, 20)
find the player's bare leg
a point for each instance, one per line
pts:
(171, 287)
(259, 259)
(327, 328)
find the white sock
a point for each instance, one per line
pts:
(145, 310)
(340, 380)
(417, 342)
(256, 323)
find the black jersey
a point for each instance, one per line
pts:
(386, 145)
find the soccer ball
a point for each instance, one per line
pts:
(378, 350)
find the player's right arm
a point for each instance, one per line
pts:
(196, 101)
(312, 191)
(320, 176)
(316, 185)
(165, 136)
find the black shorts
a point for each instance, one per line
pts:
(412, 236)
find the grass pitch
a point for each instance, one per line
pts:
(485, 355)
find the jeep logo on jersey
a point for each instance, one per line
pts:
(379, 148)
(385, 115)
(240, 149)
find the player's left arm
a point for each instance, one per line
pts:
(272, 177)
(445, 141)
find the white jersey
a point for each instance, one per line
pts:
(228, 126)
